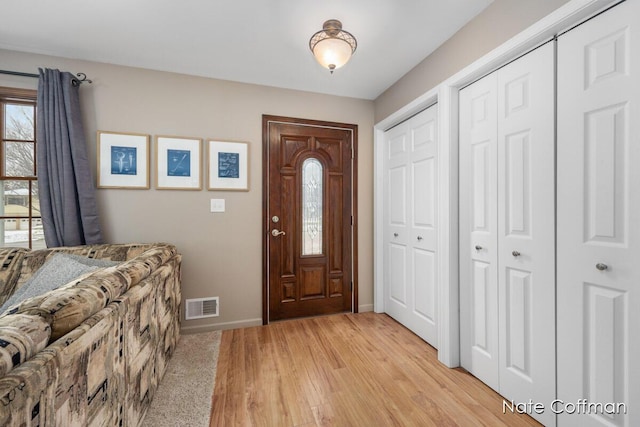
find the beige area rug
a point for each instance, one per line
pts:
(184, 395)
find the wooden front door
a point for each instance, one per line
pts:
(308, 217)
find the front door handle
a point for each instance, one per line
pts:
(276, 233)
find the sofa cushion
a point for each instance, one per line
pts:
(21, 337)
(57, 271)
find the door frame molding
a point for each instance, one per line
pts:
(266, 224)
(446, 95)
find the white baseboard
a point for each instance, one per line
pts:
(243, 323)
(221, 326)
(365, 307)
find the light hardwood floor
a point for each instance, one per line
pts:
(345, 370)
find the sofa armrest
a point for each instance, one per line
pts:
(68, 306)
(21, 337)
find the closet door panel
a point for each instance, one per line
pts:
(482, 314)
(398, 274)
(478, 227)
(397, 218)
(517, 184)
(604, 164)
(423, 238)
(599, 217)
(425, 290)
(526, 240)
(519, 323)
(410, 222)
(423, 195)
(423, 161)
(398, 196)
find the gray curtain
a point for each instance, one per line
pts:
(65, 185)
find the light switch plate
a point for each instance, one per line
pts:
(217, 205)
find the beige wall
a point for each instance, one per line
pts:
(222, 252)
(499, 22)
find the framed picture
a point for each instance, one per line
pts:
(123, 160)
(178, 161)
(228, 165)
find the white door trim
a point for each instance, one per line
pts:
(446, 95)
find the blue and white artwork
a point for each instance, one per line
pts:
(178, 162)
(228, 165)
(124, 160)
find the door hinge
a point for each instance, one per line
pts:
(353, 154)
(351, 219)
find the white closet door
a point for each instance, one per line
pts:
(396, 221)
(599, 218)
(507, 276)
(410, 222)
(478, 230)
(526, 229)
(423, 239)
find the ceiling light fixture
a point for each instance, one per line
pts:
(332, 46)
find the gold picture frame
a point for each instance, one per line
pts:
(178, 163)
(123, 160)
(227, 165)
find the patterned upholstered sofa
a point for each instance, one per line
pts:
(93, 351)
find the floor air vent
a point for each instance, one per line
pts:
(198, 308)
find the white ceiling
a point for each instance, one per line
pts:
(253, 41)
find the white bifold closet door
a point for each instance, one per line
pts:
(479, 352)
(507, 236)
(599, 220)
(410, 233)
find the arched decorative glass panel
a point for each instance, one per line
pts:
(311, 207)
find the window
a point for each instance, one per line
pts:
(20, 220)
(311, 207)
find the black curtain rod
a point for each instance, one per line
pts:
(18, 73)
(82, 77)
